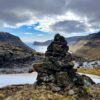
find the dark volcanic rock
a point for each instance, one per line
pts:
(57, 71)
(13, 52)
(58, 47)
(12, 56)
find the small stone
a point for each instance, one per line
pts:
(37, 66)
(63, 79)
(56, 89)
(71, 92)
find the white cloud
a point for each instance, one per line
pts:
(27, 33)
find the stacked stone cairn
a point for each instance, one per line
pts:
(57, 72)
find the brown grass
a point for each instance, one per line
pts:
(89, 71)
(31, 93)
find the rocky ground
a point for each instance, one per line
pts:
(32, 92)
(14, 53)
(10, 53)
(12, 56)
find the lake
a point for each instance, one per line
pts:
(37, 48)
(17, 79)
(28, 78)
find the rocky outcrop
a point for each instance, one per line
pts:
(10, 54)
(13, 52)
(57, 72)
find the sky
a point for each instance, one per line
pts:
(40, 20)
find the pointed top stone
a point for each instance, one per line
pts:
(58, 47)
(59, 38)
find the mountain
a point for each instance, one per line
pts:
(70, 40)
(13, 51)
(94, 36)
(82, 46)
(42, 43)
(89, 47)
(11, 39)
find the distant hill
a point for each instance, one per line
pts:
(83, 46)
(13, 50)
(46, 43)
(70, 40)
(12, 39)
(89, 47)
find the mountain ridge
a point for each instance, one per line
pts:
(84, 46)
(89, 47)
(12, 39)
(71, 40)
(13, 52)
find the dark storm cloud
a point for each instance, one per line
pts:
(10, 9)
(87, 8)
(20, 11)
(69, 26)
(37, 6)
(12, 18)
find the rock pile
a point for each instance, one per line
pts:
(57, 72)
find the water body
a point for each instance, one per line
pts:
(28, 78)
(41, 49)
(95, 78)
(17, 79)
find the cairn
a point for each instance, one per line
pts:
(57, 71)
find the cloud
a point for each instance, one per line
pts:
(69, 26)
(19, 11)
(53, 13)
(27, 33)
(89, 9)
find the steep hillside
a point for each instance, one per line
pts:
(13, 51)
(88, 48)
(11, 39)
(76, 46)
(10, 53)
